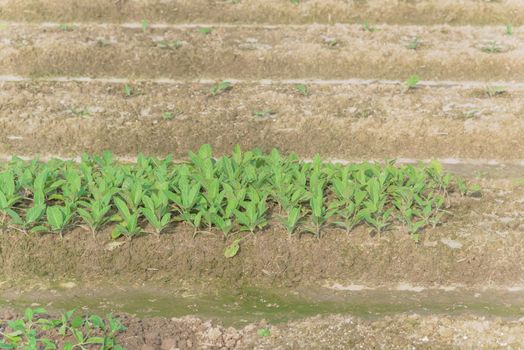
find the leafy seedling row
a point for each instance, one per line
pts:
(243, 192)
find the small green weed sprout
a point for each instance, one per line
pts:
(128, 91)
(414, 43)
(171, 44)
(412, 81)
(205, 30)
(302, 89)
(66, 27)
(220, 88)
(491, 47)
(509, 29)
(145, 25)
(368, 28)
(492, 91)
(263, 113)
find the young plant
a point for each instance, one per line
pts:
(302, 89)
(128, 91)
(412, 81)
(414, 43)
(292, 220)
(220, 88)
(493, 91)
(95, 212)
(145, 25)
(368, 28)
(252, 215)
(509, 29)
(205, 30)
(156, 211)
(59, 216)
(263, 113)
(128, 222)
(8, 195)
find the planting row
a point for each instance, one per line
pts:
(236, 193)
(360, 51)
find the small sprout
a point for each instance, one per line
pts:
(412, 81)
(302, 89)
(3, 26)
(295, 2)
(414, 44)
(331, 42)
(263, 332)
(145, 24)
(167, 115)
(128, 91)
(79, 112)
(101, 43)
(173, 44)
(263, 113)
(66, 27)
(220, 88)
(491, 47)
(493, 91)
(204, 30)
(368, 28)
(509, 29)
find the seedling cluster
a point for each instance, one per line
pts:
(237, 193)
(70, 331)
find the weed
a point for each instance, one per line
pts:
(412, 81)
(128, 91)
(368, 28)
(221, 87)
(145, 25)
(263, 332)
(491, 47)
(171, 44)
(414, 43)
(509, 29)
(205, 30)
(302, 89)
(492, 91)
(79, 112)
(66, 27)
(263, 113)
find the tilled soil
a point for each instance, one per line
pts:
(337, 121)
(319, 51)
(475, 12)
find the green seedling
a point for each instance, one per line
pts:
(220, 88)
(302, 89)
(295, 2)
(263, 332)
(293, 219)
(94, 212)
(145, 25)
(128, 91)
(205, 30)
(156, 211)
(128, 222)
(66, 27)
(412, 81)
(263, 113)
(493, 91)
(167, 115)
(8, 195)
(509, 29)
(414, 43)
(491, 47)
(79, 112)
(172, 44)
(58, 217)
(38, 330)
(368, 28)
(252, 213)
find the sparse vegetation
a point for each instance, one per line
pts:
(509, 29)
(302, 89)
(493, 91)
(205, 30)
(491, 47)
(414, 43)
(128, 91)
(263, 113)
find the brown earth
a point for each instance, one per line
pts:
(476, 12)
(403, 331)
(476, 247)
(338, 121)
(327, 52)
